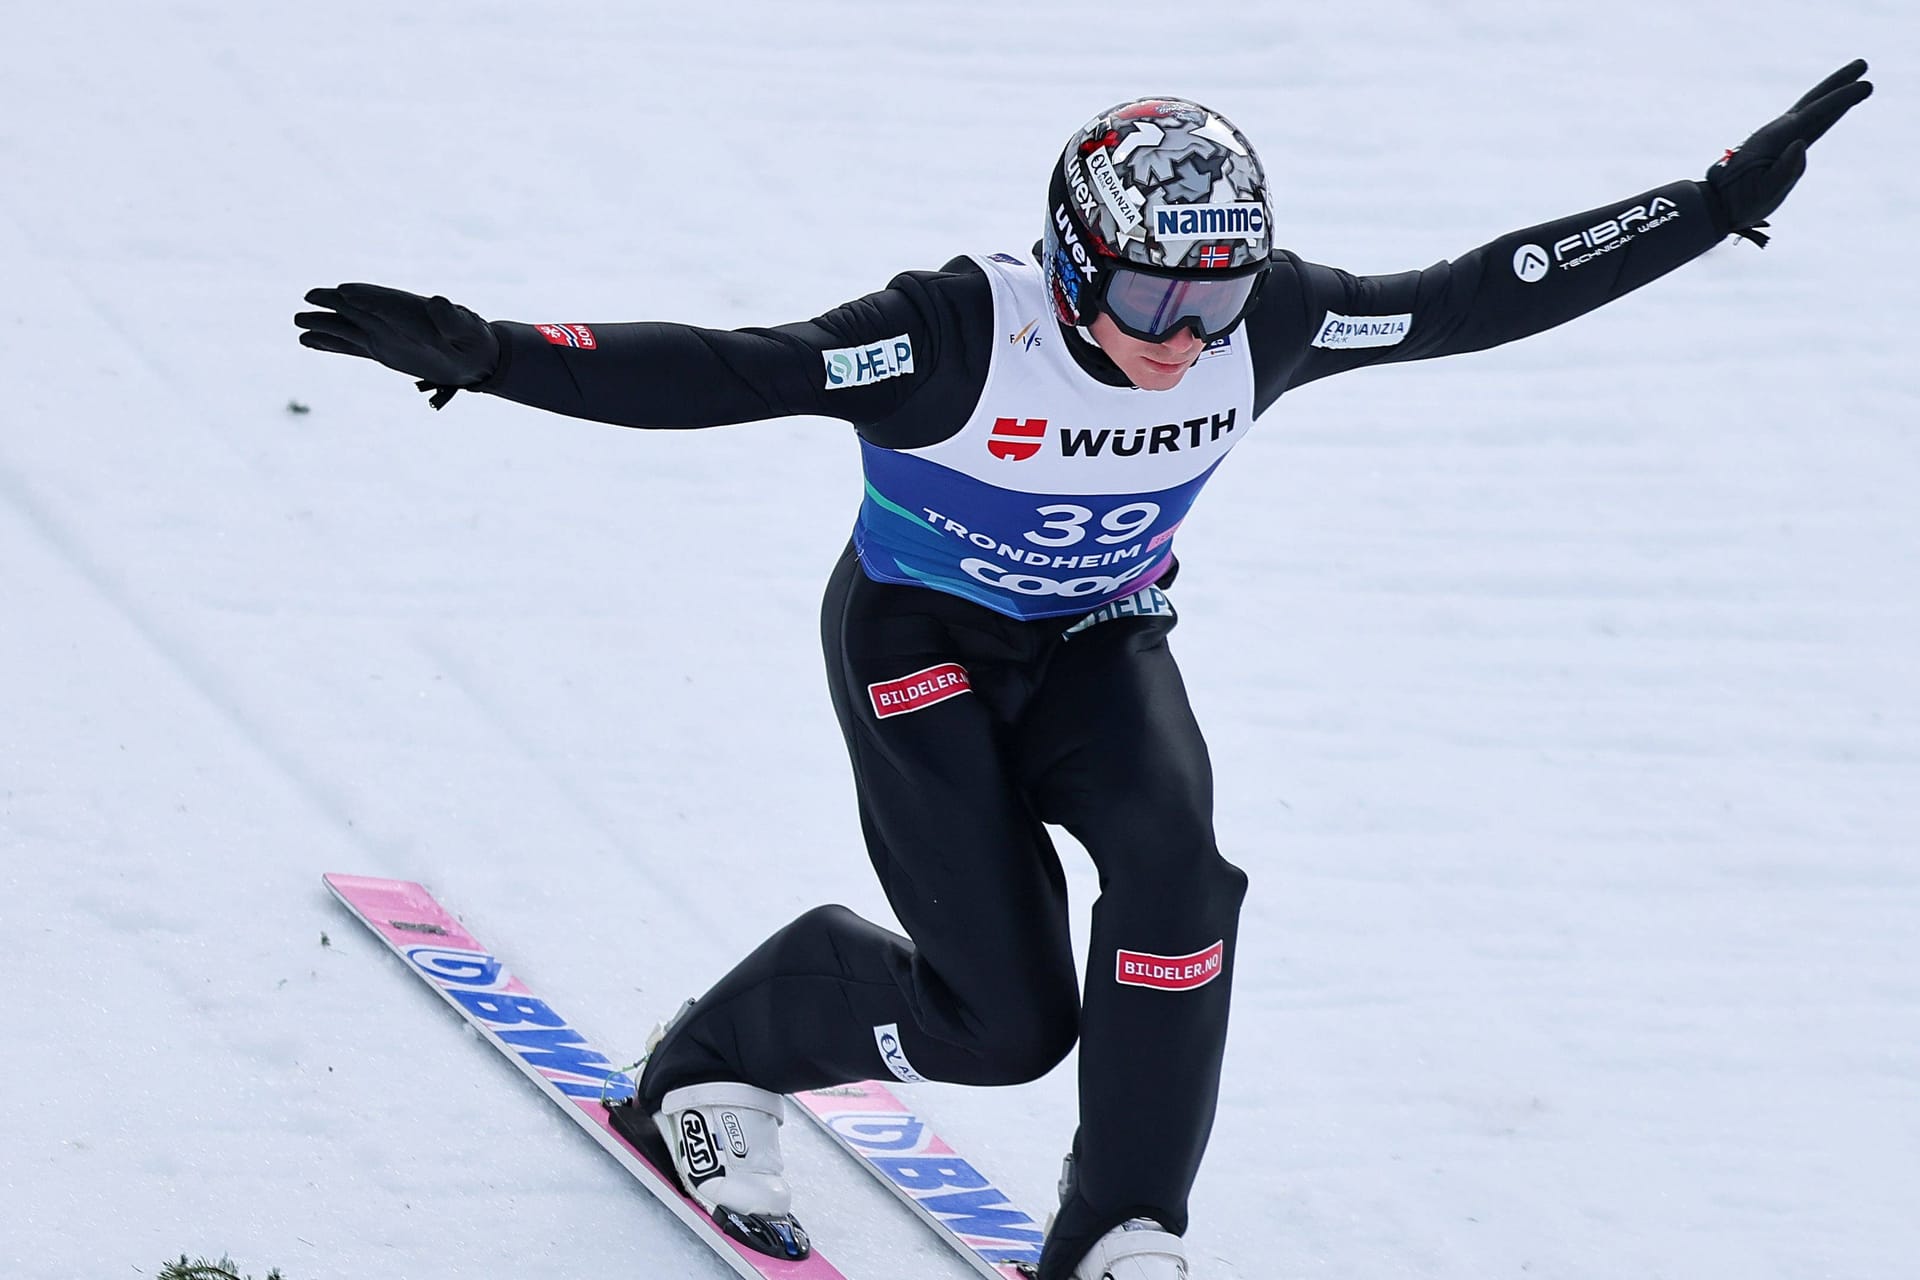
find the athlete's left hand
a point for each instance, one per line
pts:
(1753, 178)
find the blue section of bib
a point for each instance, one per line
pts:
(1025, 555)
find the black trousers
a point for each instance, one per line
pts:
(956, 776)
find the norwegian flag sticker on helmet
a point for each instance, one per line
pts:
(569, 335)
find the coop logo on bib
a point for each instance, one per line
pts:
(1169, 973)
(861, 366)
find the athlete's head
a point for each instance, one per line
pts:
(1157, 226)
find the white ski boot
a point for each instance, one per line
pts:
(1137, 1249)
(723, 1142)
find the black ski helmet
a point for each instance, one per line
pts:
(1157, 215)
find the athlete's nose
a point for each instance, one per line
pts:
(1181, 342)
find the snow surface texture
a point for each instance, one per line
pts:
(1562, 698)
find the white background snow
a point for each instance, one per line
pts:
(1562, 698)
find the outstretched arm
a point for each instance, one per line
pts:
(861, 362)
(1314, 321)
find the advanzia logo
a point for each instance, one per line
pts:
(528, 1026)
(943, 1184)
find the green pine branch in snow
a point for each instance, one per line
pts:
(201, 1269)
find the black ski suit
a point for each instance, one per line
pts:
(1090, 731)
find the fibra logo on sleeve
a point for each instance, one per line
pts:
(861, 366)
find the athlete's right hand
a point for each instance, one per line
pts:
(444, 345)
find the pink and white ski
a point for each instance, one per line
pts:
(539, 1041)
(973, 1215)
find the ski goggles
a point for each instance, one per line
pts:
(1153, 307)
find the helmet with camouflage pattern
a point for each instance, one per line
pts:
(1157, 215)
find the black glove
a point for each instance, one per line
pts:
(444, 345)
(1753, 178)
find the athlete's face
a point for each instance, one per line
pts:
(1151, 366)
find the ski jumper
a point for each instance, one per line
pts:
(996, 640)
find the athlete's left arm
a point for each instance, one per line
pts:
(1314, 321)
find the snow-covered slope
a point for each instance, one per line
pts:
(1562, 697)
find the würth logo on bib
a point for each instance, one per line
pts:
(1169, 973)
(1016, 439)
(569, 335)
(920, 690)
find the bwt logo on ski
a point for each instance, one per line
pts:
(1169, 973)
(1240, 220)
(863, 366)
(918, 691)
(450, 966)
(528, 1026)
(942, 1183)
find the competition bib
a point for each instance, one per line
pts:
(1060, 494)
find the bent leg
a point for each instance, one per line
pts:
(984, 992)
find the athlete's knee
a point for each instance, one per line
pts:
(1011, 1025)
(1164, 849)
(1031, 1033)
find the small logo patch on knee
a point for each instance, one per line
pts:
(887, 1038)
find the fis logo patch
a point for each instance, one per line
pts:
(577, 336)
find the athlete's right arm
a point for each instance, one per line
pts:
(869, 362)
